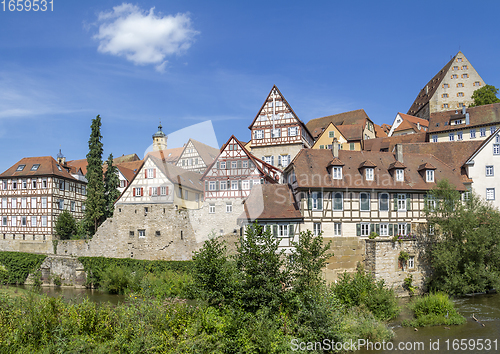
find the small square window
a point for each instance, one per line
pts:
(35, 167)
(490, 193)
(384, 229)
(482, 132)
(337, 229)
(131, 233)
(20, 167)
(472, 133)
(331, 134)
(211, 208)
(434, 138)
(142, 233)
(365, 229)
(157, 233)
(489, 171)
(460, 84)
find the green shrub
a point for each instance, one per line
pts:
(19, 265)
(434, 309)
(361, 288)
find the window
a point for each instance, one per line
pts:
(384, 229)
(60, 204)
(211, 208)
(153, 191)
(33, 184)
(429, 175)
(482, 132)
(72, 206)
(460, 135)
(402, 229)
(259, 134)
(460, 94)
(44, 202)
(452, 136)
(496, 149)
(234, 185)
(61, 185)
(401, 202)
(4, 185)
(284, 160)
(445, 105)
(454, 76)
(186, 195)
(331, 134)
(138, 191)
(275, 133)
(179, 192)
(13, 221)
(44, 220)
(317, 200)
(163, 190)
(446, 86)
(477, 83)
(316, 228)
(20, 167)
(229, 207)
(369, 174)
(222, 165)
(142, 233)
(337, 229)
(4, 221)
(338, 203)
(14, 203)
(245, 185)
(212, 185)
(400, 176)
(365, 229)
(364, 201)
(383, 202)
(434, 138)
(14, 185)
(33, 221)
(431, 202)
(84, 190)
(283, 230)
(269, 160)
(4, 203)
(151, 172)
(411, 262)
(223, 185)
(23, 221)
(465, 76)
(23, 203)
(351, 146)
(337, 172)
(460, 84)
(234, 165)
(489, 171)
(490, 193)
(24, 184)
(492, 130)
(445, 95)
(459, 60)
(455, 68)
(35, 167)
(293, 131)
(472, 133)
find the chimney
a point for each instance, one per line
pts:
(467, 120)
(418, 125)
(335, 148)
(399, 152)
(463, 110)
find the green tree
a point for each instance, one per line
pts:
(465, 253)
(111, 183)
(65, 225)
(95, 203)
(265, 277)
(485, 95)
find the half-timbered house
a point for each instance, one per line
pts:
(197, 156)
(33, 192)
(277, 133)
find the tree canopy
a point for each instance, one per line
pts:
(65, 226)
(485, 95)
(111, 182)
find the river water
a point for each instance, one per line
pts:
(442, 339)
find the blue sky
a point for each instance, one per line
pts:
(187, 62)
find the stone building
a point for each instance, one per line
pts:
(450, 89)
(197, 156)
(474, 123)
(277, 133)
(34, 191)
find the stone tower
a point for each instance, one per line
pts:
(159, 140)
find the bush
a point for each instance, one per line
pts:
(19, 265)
(432, 310)
(361, 288)
(65, 226)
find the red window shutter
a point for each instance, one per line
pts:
(154, 173)
(133, 192)
(167, 190)
(142, 192)
(157, 190)
(150, 191)
(146, 173)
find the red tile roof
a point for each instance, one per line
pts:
(380, 131)
(481, 115)
(317, 125)
(387, 144)
(48, 167)
(270, 201)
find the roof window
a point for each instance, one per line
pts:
(20, 167)
(35, 167)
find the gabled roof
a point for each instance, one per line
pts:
(78, 165)
(317, 125)
(481, 147)
(270, 201)
(409, 123)
(328, 129)
(480, 115)
(387, 144)
(48, 167)
(429, 89)
(167, 155)
(426, 166)
(286, 104)
(352, 132)
(127, 173)
(380, 131)
(125, 158)
(310, 167)
(206, 152)
(396, 164)
(257, 162)
(177, 175)
(367, 163)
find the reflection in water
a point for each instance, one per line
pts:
(486, 308)
(79, 294)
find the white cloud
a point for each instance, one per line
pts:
(144, 37)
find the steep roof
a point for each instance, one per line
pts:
(78, 165)
(126, 158)
(134, 166)
(127, 173)
(311, 171)
(167, 155)
(410, 122)
(48, 166)
(388, 143)
(429, 89)
(317, 125)
(480, 115)
(380, 131)
(206, 152)
(352, 132)
(178, 175)
(270, 201)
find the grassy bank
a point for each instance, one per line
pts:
(432, 310)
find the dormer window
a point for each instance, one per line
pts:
(429, 176)
(337, 172)
(369, 174)
(400, 175)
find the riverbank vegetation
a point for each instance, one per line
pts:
(432, 310)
